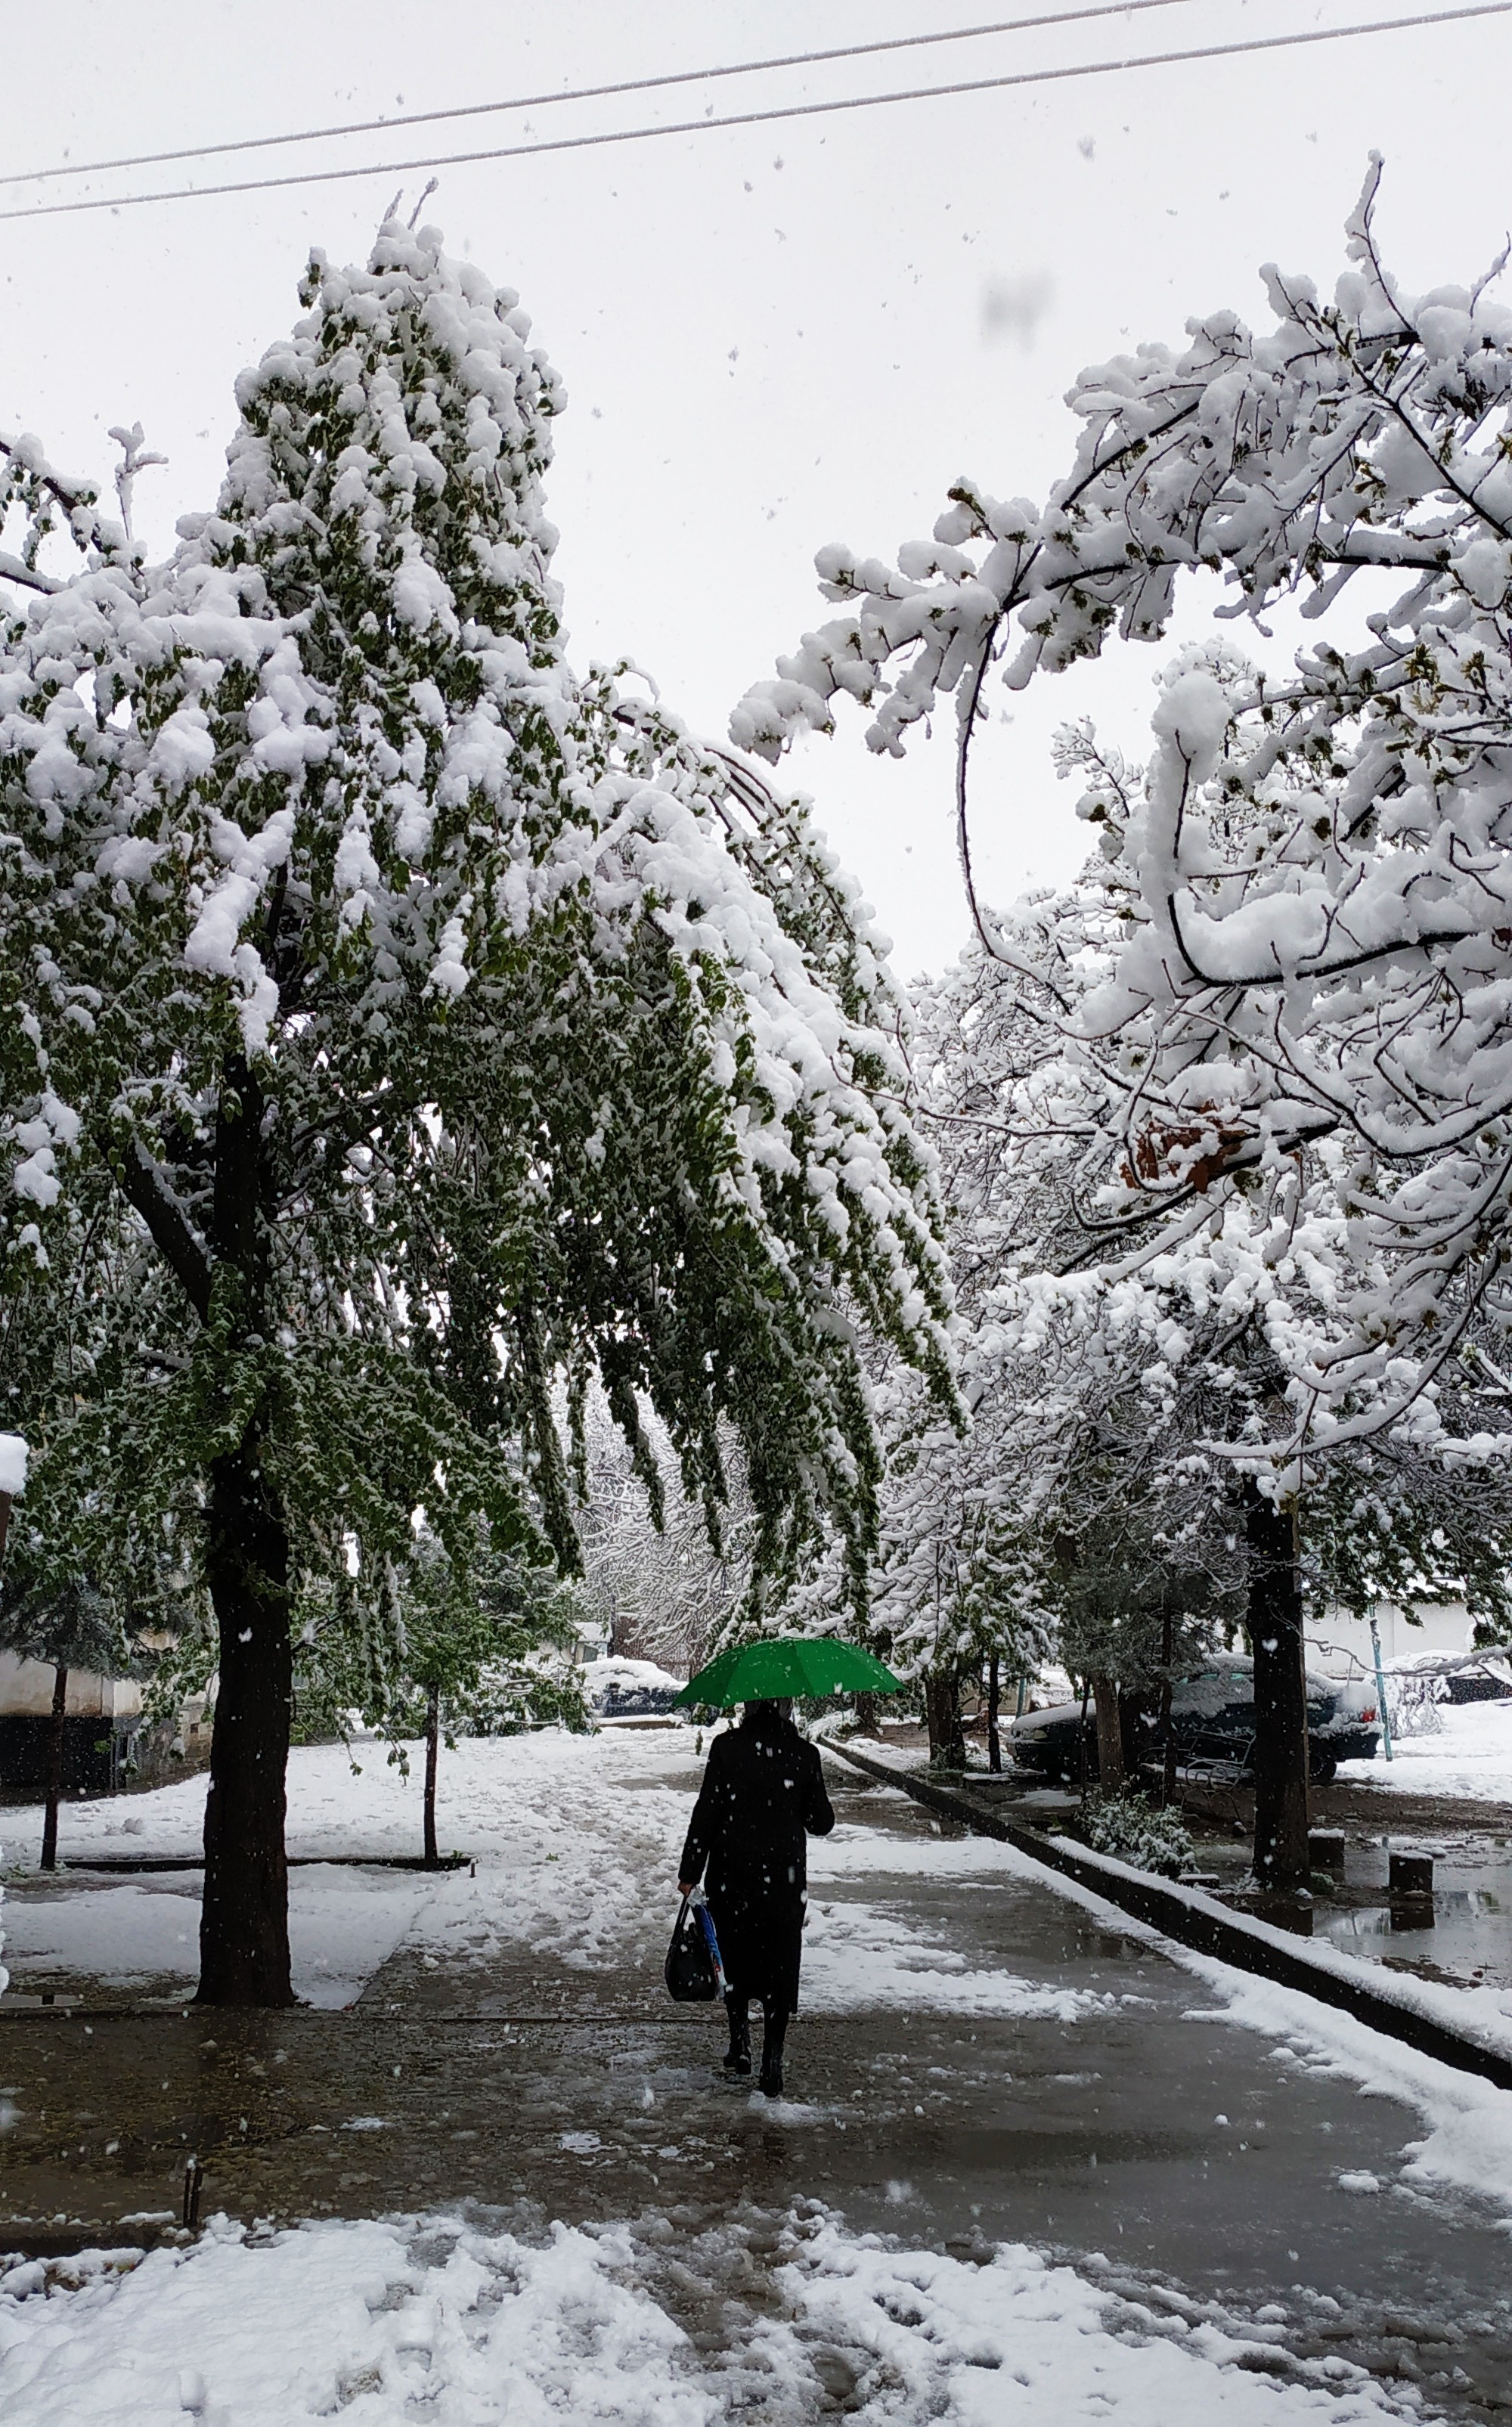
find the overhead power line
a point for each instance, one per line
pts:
(790, 111)
(592, 92)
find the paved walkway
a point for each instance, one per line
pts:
(1205, 2165)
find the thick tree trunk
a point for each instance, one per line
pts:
(1274, 1618)
(54, 1769)
(433, 1743)
(994, 1704)
(1109, 1735)
(868, 1714)
(244, 1941)
(942, 1706)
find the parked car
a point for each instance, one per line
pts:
(1213, 1718)
(1487, 1681)
(617, 1688)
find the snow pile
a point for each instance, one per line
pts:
(13, 1456)
(370, 2321)
(380, 2322)
(1021, 2340)
(1468, 1754)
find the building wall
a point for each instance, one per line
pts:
(1340, 1646)
(26, 1692)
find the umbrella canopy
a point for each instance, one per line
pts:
(788, 1665)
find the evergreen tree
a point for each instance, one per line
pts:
(416, 1022)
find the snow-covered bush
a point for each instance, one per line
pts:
(1135, 1831)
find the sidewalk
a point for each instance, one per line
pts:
(978, 2061)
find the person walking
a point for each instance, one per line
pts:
(763, 1795)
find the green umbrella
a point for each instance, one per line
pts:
(788, 1665)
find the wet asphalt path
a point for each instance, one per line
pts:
(1196, 2162)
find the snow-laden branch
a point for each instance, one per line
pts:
(1301, 920)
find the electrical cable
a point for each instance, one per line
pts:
(590, 92)
(792, 111)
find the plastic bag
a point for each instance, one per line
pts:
(690, 1972)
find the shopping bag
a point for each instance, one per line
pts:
(690, 1972)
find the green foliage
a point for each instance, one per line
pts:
(492, 1638)
(393, 1022)
(1134, 1830)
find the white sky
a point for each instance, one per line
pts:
(770, 337)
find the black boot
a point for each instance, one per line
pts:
(737, 2057)
(771, 2040)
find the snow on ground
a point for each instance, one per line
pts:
(1471, 1756)
(380, 2322)
(145, 1931)
(859, 1957)
(1467, 2145)
(575, 1840)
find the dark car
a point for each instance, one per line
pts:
(1212, 1719)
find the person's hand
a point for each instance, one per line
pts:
(685, 1887)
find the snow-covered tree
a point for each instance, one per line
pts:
(1112, 1525)
(1289, 1094)
(427, 1022)
(664, 1577)
(1319, 938)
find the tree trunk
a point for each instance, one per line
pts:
(1167, 1732)
(432, 1740)
(1274, 1618)
(1109, 1735)
(942, 1706)
(868, 1714)
(54, 1769)
(994, 1745)
(244, 1940)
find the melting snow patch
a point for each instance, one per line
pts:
(382, 2321)
(787, 2110)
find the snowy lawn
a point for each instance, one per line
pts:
(385, 2321)
(1471, 1756)
(140, 1933)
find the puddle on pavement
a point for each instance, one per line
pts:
(1469, 1938)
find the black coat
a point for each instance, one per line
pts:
(763, 1790)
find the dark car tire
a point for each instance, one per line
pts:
(1323, 1769)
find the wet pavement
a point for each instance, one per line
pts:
(1190, 2164)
